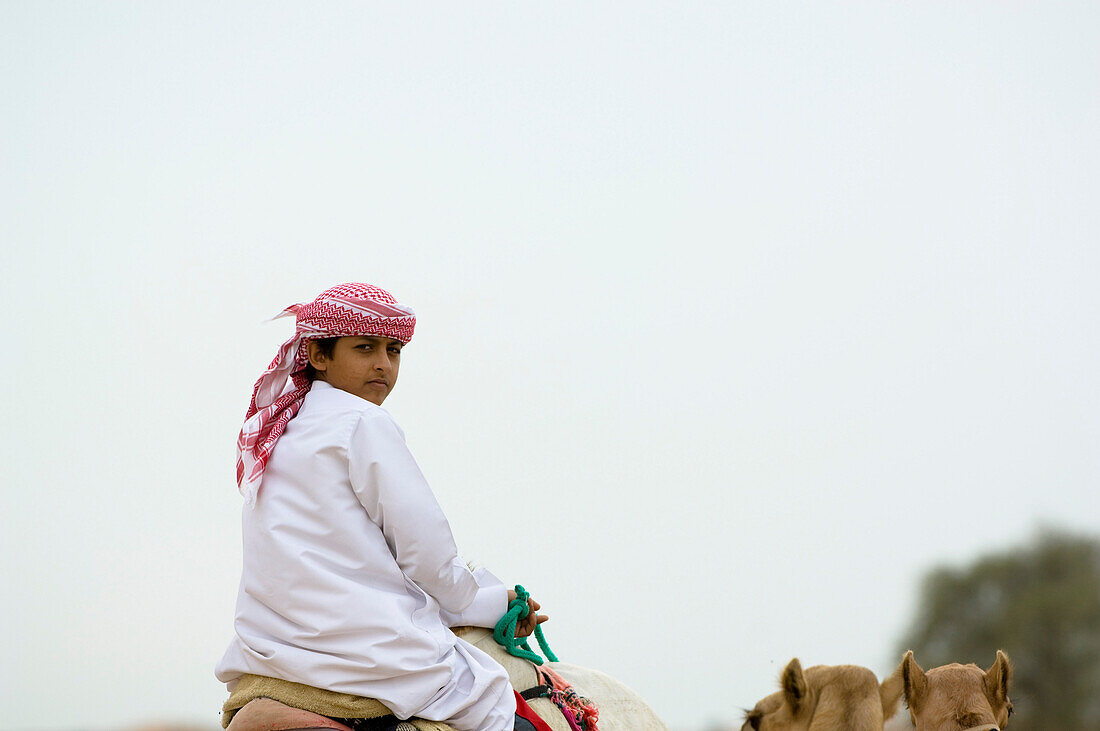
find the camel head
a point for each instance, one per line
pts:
(958, 697)
(826, 698)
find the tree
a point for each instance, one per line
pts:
(1041, 605)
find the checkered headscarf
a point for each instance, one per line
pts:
(347, 309)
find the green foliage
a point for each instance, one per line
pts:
(1041, 605)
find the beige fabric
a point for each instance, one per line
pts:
(308, 698)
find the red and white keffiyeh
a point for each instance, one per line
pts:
(347, 309)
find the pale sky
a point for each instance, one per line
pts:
(734, 318)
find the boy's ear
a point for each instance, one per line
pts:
(316, 357)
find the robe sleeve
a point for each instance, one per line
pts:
(486, 609)
(397, 498)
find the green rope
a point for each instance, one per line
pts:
(505, 631)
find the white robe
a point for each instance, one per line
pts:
(351, 576)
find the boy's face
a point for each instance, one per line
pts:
(365, 366)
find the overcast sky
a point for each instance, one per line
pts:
(734, 318)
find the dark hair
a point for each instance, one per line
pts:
(327, 346)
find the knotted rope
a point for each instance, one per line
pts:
(505, 631)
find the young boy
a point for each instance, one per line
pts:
(351, 578)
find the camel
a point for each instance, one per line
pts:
(957, 697)
(620, 708)
(827, 698)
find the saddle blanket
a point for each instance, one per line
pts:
(317, 700)
(334, 705)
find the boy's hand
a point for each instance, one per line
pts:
(526, 626)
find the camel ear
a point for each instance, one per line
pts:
(891, 691)
(914, 681)
(998, 677)
(794, 684)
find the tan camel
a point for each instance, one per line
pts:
(958, 697)
(827, 698)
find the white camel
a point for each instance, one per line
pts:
(621, 709)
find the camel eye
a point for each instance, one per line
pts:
(1010, 710)
(754, 720)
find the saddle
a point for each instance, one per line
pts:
(264, 714)
(259, 703)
